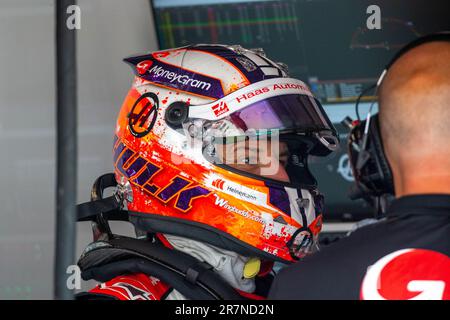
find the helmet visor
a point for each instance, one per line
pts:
(293, 112)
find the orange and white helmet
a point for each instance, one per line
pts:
(186, 109)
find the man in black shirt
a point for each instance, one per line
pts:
(405, 255)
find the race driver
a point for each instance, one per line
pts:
(210, 154)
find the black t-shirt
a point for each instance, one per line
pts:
(340, 271)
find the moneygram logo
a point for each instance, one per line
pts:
(158, 72)
(408, 274)
(143, 66)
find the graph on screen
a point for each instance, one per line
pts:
(325, 43)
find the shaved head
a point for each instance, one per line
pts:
(415, 119)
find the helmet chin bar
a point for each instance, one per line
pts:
(101, 210)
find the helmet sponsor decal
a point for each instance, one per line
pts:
(245, 213)
(409, 274)
(218, 183)
(239, 191)
(248, 95)
(277, 86)
(176, 77)
(220, 108)
(143, 66)
(252, 94)
(142, 116)
(158, 72)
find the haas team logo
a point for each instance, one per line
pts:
(409, 274)
(143, 114)
(220, 108)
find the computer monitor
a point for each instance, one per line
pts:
(326, 43)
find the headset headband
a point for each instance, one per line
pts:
(440, 36)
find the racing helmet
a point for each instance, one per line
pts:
(187, 111)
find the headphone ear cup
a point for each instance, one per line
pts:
(379, 155)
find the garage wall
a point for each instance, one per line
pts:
(110, 30)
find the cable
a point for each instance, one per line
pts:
(359, 99)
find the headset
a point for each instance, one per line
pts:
(371, 169)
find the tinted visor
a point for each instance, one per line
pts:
(270, 138)
(294, 112)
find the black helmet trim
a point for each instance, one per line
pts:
(197, 231)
